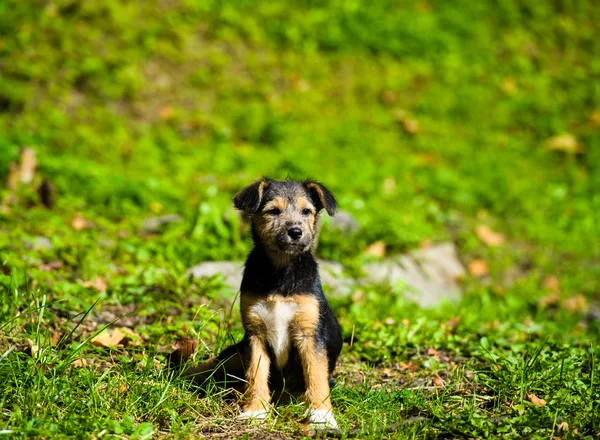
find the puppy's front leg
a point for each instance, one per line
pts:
(257, 389)
(315, 365)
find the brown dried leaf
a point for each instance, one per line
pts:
(386, 372)
(432, 352)
(488, 236)
(552, 283)
(98, 283)
(109, 338)
(411, 126)
(552, 299)
(565, 143)
(564, 426)
(166, 112)
(439, 382)
(453, 322)
(408, 366)
(576, 304)
(478, 268)
(78, 223)
(79, 363)
(53, 265)
(376, 249)
(536, 400)
(55, 337)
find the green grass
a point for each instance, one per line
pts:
(139, 109)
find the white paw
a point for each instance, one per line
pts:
(322, 418)
(259, 414)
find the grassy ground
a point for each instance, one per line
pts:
(428, 119)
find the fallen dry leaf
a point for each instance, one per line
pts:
(166, 112)
(389, 321)
(478, 268)
(79, 223)
(564, 426)
(376, 249)
(536, 400)
(576, 304)
(453, 322)
(565, 143)
(432, 352)
(550, 300)
(509, 86)
(53, 265)
(79, 363)
(389, 185)
(552, 283)
(488, 236)
(438, 381)
(109, 338)
(386, 372)
(55, 337)
(411, 126)
(98, 283)
(408, 366)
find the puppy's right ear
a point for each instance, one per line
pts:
(248, 199)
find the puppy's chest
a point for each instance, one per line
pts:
(283, 322)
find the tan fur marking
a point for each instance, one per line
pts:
(257, 395)
(319, 190)
(261, 187)
(277, 202)
(314, 359)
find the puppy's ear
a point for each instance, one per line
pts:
(248, 199)
(321, 195)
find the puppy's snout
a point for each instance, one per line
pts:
(295, 233)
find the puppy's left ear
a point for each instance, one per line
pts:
(322, 196)
(248, 199)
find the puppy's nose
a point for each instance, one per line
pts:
(295, 233)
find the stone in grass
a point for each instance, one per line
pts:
(230, 270)
(332, 274)
(152, 225)
(430, 275)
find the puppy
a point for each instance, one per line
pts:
(292, 339)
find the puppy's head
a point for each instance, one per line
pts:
(285, 213)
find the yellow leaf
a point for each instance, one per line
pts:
(376, 249)
(109, 338)
(478, 268)
(565, 143)
(536, 400)
(488, 236)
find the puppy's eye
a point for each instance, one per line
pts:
(306, 211)
(274, 211)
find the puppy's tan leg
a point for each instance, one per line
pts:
(314, 363)
(257, 389)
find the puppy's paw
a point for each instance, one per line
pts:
(322, 419)
(257, 414)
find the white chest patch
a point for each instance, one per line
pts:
(276, 317)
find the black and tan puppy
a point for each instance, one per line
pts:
(292, 338)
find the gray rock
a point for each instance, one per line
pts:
(231, 271)
(152, 225)
(334, 279)
(427, 276)
(344, 221)
(40, 243)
